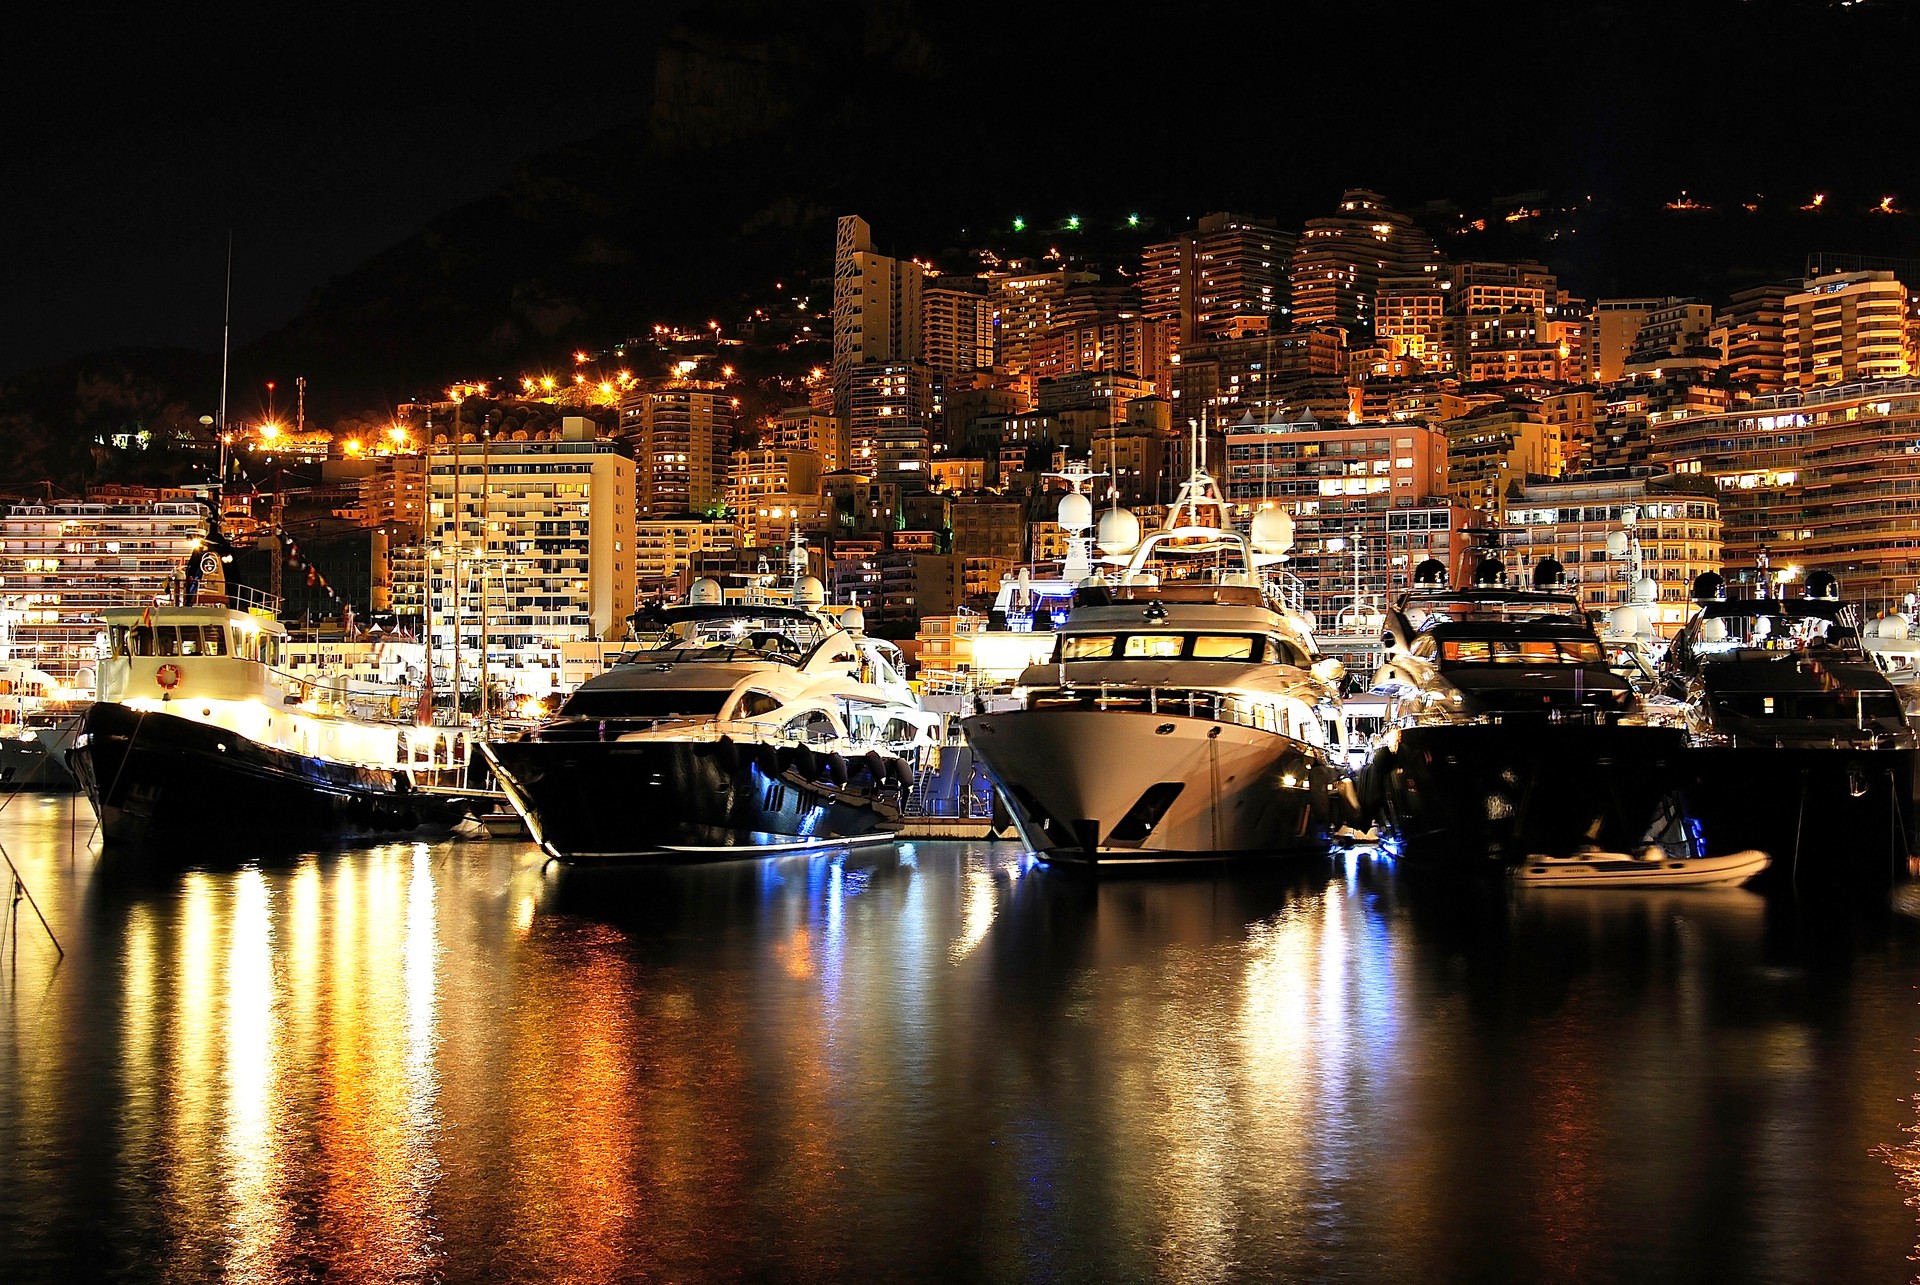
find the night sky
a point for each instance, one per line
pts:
(320, 137)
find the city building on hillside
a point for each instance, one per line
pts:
(1378, 489)
(1128, 344)
(1827, 480)
(1027, 304)
(531, 544)
(956, 326)
(1847, 326)
(884, 398)
(1616, 326)
(802, 428)
(1203, 284)
(1751, 336)
(672, 551)
(1230, 377)
(1676, 335)
(876, 305)
(681, 435)
(1491, 448)
(63, 562)
(1340, 261)
(1677, 526)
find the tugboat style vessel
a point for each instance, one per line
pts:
(744, 729)
(1183, 714)
(1510, 740)
(199, 740)
(1800, 742)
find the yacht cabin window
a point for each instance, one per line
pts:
(754, 704)
(1156, 646)
(1225, 647)
(1086, 646)
(1520, 651)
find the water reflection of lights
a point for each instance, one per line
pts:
(255, 1217)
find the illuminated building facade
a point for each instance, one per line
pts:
(1827, 479)
(1846, 326)
(63, 562)
(544, 529)
(876, 302)
(956, 326)
(1378, 489)
(681, 434)
(1678, 530)
(1340, 261)
(1203, 283)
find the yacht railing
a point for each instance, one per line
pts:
(1216, 706)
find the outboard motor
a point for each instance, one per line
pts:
(1708, 586)
(1822, 587)
(1549, 574)
(1430, 574)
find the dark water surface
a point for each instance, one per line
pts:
(441, 1062)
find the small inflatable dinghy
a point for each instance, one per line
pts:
(1653, 868)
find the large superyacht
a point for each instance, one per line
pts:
(1183, 713)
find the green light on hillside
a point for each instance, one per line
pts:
(1019, 224)
(1073, 223)
(1133, 220)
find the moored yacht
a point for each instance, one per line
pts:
(1800, 743)
(200, 738)
(1509, 736)
(1183, 713)
(743, 728)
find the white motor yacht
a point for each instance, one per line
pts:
(1183, 713)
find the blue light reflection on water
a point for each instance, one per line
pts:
(441, 1062)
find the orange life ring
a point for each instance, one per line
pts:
(168, 676)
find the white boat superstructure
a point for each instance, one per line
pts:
(739, 727)
(1183, 711)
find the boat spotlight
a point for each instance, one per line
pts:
(1822, 587)
(1709, 587)
(1430, 574)
(1491, 573)
(1549, 574)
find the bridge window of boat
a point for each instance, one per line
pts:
(1520, 651)
(203, 640)
(1084, 647)
(1154, 646)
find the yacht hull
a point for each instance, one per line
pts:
(1489, 795)
(160, 781)
(664, 800)
(38, 762)
(1121, 787)
(1829, 815)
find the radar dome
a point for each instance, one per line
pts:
(1491, 573)
(1627, 622)
(1616, 544)
(1549, 574)
(1272, 531)
(1709, 587)
(1893, 627)
(1076, 512)
(705, 593)
(853, 618)
(1430, 574)
(809, 592)
(1823, 586)
(1647, 589)
(1119, 531)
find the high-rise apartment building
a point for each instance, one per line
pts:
(1026, 304)
(1121, 343)
(1824, 479)
(681, 435)
(531, 545)
(1493, 448)
(1412, 317)
(802, 428)
(1337, 267)
(1233, 266)
(1367, 502)
(1571, 521)
(877, 308)
(1846, 327)
(1616, 325)
(956, 325)
(1751, 335)
(62, 562)
(885, 398)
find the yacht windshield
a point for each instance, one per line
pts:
(588, 702)
(1769, 632)
(1519, 651)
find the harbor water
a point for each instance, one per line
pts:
(937, 1062)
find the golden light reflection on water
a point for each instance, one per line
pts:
(381, 1066)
